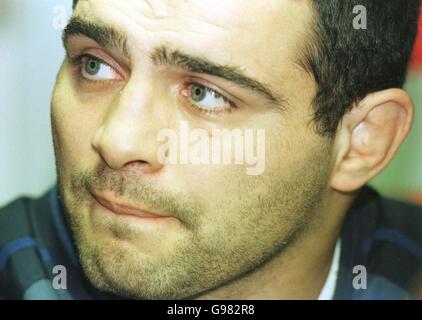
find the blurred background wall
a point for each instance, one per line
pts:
(30, 56)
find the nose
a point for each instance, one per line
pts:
(127, 135)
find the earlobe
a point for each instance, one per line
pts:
(369, 137)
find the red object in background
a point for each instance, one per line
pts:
(416, 199)
(417, 53)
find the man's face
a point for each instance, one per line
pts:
(110, 104)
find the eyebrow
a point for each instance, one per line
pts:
(108, 37)
(175, 58)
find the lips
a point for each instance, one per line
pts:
(123, 209)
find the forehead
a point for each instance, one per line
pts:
(253, 30)
(223, 13)
(221, 25)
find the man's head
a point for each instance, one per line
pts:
(296, 69)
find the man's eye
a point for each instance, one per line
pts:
(96, 70)
(206, 98)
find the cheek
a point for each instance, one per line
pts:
(222, 188)
(72, 128)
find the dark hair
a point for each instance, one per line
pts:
(348, 63)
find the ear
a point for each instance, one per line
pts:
(369, 136)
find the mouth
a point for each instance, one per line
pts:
(122, 209)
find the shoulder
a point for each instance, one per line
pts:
(21, 249)
(383, 213)
(20, 213)
(399, 222)
(14, 220)
(387, 237)
(384, 236)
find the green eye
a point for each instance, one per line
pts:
(95, 69)
(92, 66)
(198, 93)
(207, 99)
